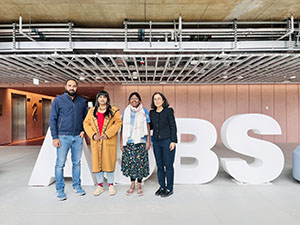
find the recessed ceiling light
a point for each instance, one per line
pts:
(134, 75)
(194, 62)
(292, 77)
(240, 77)
(81, 78)
(35, 81)
(225, 77)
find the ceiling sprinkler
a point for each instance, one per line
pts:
(142, 62)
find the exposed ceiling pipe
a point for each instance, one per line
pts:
(291, 30)
(21, 31)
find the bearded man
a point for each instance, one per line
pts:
(66, 124)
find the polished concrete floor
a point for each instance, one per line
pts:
(219, 202)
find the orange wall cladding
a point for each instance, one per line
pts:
(34, 129)
(216, 103)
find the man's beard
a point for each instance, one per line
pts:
(71, 93)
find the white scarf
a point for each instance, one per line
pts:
(140, 124)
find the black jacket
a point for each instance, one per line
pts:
(163, 124)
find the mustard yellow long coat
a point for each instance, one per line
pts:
(104, 152)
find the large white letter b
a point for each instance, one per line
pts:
(206, 163)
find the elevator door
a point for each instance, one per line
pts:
(18, 117)
(46, 114)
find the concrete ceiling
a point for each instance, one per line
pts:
(111, 13)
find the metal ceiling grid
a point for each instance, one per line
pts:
(152, 53)
(152, 69)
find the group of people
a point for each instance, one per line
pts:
(70, 121)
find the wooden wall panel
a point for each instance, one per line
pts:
(292, 114)
(218, 108)
(169, 92)
(242, 99)
(129, 90)
(255, 103)
(206, 102)
(298, 112)
(181, 105)
(230, 105)
(5, 118)
(193, 108)
(156, 88)
(216, 103)
(120, 97)
(255, 98)
(280, 110)
(145, 93)
(267, 104)
(193, 101)
(110, 89)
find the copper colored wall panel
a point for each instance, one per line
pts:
(230, 98)
(206, 102)
(292, 116)
(218, 108)
(216, 103)
(280, 110)
(119, 96)
(255, 102)
(242, 99)
(267, 103)
(145, 94)
(169, 92)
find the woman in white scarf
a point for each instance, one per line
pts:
(135, 142)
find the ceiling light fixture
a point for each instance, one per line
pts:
(134, 75)
(35, 81)
(194, 62)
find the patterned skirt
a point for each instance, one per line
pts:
(135, 163)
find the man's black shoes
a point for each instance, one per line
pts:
(166, 193)
(159, 191)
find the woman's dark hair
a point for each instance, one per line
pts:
(165, 104)
(108, 111)
(136, 94)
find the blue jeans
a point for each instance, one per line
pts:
(67, 142)
(109, 175)
(164, 161)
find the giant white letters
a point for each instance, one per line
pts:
(43, 171)
(269, 160)
(267, 166)
(206, 164)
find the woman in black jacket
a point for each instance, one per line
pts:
(164, 139)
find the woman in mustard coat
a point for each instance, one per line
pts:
(102, 124)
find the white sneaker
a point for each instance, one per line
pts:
(98, 191)
(111, 190)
